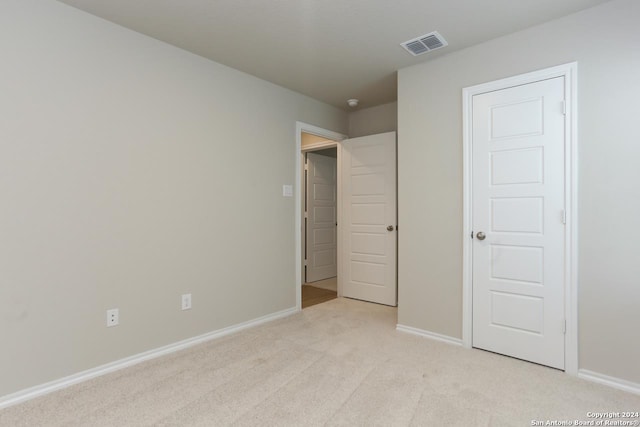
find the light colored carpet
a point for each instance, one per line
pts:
(341, 363)
(330, 284)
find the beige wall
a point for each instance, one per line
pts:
(132, 172)
(373, 120)
(606, 43)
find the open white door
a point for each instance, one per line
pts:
(518, 221)
(321, 217)
(369, 218)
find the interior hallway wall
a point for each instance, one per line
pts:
(132, 172)
(370, 121)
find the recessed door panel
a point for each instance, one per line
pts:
(522, 263)
(367, 273)
(324, 258)
(517, 215)
(324, 192)
(367, 157)
(368, 213)
(368, 243)
(518, 312)
(523, 166)
(518, 119)
(324, 215)
(371, 184)
(324, 236)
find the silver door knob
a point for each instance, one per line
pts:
(480, 235)
(389, 227)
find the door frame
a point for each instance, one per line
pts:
(336, 139)
(569, 72)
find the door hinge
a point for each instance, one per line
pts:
(564, 216)
(564, 326)
(564, 107)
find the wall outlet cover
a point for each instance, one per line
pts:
(113, 317)
(186, 301)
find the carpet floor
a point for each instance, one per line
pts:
(341, 363)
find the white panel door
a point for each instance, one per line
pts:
(518, 206)
(369, 218)
(321, 217)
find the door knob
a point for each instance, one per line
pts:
(480, 235)
(389, 227)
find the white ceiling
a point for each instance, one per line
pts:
(331, 50)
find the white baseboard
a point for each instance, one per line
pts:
(42, 389)
(614, 382)
(428, 334)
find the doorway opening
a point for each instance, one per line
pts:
(365, 211)
(318, 208)
(320, 281)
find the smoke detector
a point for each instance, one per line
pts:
(424, 44)
(352, 102)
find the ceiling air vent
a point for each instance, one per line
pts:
(424, 44)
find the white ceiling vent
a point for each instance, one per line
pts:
(424, 44)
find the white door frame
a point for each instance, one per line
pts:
(299, 196)
(569, 72)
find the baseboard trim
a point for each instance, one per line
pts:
(614, 382)
(428, 334)
(46, 388)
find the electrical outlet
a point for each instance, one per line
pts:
(186, 302)
(113, 317)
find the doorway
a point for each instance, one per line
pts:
(366, 243)
(320, 225)
(519, 207)
(317, 243)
